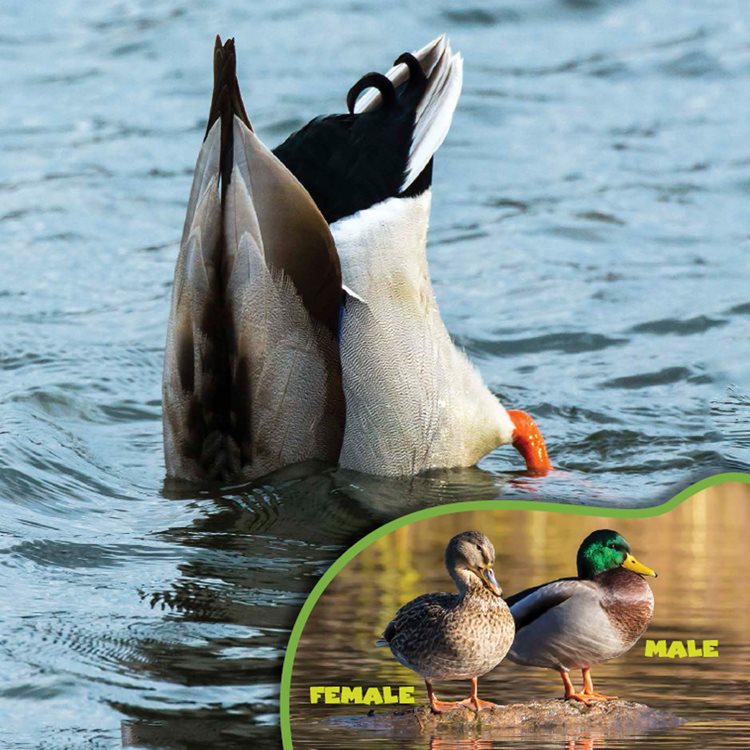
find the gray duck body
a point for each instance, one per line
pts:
(575, 624)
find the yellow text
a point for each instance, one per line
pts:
(682, 649)
(372, 696)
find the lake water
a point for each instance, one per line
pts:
(697, 550)
(588, 246)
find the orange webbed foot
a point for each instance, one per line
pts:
(442, 707)
(477, 704)
(570, 691)
(600, 696)
(528, 441)
(580, 697)
(588, 688)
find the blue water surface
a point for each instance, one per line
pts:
(589, 248)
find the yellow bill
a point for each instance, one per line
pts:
(632, 564)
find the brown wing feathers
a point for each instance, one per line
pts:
(291, 242)
(209, 421)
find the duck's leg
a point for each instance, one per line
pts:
(588, 688)
(570, 692)
(439, 707)
(474, 702)
(528, 441)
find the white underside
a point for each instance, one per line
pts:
(413, 400)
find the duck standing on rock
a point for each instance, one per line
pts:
(455, 636)
(303, 322)
(577, 623)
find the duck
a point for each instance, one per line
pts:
(580, 622)
(303, 324)
(460, 636)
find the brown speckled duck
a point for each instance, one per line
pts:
(455, 636)
(576, 623)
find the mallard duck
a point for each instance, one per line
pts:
(576, 623)
(455, 636)
(272, 357)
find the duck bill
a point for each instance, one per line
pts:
(490, 582)
(632, 564)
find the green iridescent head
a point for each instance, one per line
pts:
(604, 550)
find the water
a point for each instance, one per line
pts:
(696, 549)
(588, 246)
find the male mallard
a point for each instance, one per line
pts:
(272, 357)
(575, 623)
(455, 636)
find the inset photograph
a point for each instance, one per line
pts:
(485, 628)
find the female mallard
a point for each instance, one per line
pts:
(272, 357)
(575, 623)
(455, 636)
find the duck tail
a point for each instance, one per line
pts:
(226, 101)
(435, 75)
(387, 636)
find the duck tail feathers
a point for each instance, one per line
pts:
(438, 72)
(226, 98)
(226, 102)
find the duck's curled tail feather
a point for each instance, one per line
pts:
(434, 75)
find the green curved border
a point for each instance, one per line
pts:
(442, 510)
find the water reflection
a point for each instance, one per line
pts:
(438, 743)
(584, 743)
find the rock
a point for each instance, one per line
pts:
(611, 718)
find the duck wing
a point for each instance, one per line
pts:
(529, 605)
(252, 376)
(418, 615)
